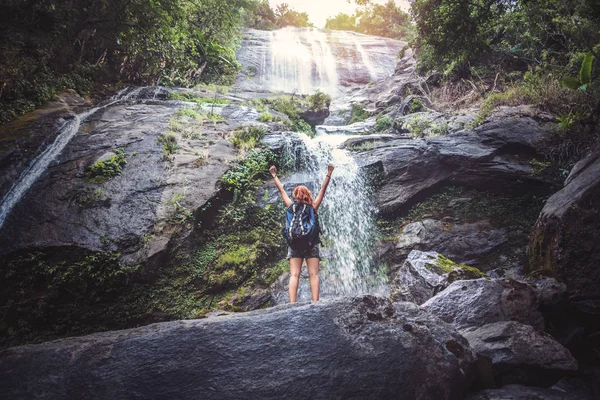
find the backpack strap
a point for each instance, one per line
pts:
(301, 218)
(293, 219)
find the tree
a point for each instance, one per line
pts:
(287, 16)
(342, 22)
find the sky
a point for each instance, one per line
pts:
(319, 10)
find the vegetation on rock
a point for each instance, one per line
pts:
(102, 171)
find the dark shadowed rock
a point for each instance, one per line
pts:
(462, 242)
(496, 157)
(549, 291)
(519, 392)
(520, 354)
(362, 348)
(566, 235)
(420, 277)
(483, 301)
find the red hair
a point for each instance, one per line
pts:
(303, 195)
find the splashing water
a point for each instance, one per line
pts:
(346, 216)
(41, 163)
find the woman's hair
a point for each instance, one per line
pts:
(303, 195)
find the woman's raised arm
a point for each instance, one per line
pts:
(323, 187)
(284, 196)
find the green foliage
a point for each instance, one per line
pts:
(247, 137)
(418, 126)
(358, 113)
(416, 105)
(385, 20)
(444, 265)
(198, 100)
(302, 126)
(54, 45)
(40, 289)
(318, 101)
(249, 170)
(362, 146)
(188, 112)
(168, 142)
(287, 16)
(383, 123)
(258, 14)
(341, 22)
(102, 171)
(585, 75)
(265, 117)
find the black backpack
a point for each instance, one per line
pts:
(302, 226)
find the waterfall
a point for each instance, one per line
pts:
(41, 163)
(304, 60)
(301, 61)
(346, 216)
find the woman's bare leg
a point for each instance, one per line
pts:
(295, 266)
(313, 274)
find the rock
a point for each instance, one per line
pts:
(483, 301)
(519, 392)
(549, 291)
(357, 128)
(359, 347)
(494, 157)
(520, 354)
(462, 242)
(565, 237)
(63, 210)
(422, 276)
(314, 118)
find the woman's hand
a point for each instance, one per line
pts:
(273, 171)
(330, 168)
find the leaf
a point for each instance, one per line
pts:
(584, 88)
(570, 83)
(585, 74)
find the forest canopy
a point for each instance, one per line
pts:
(53, 45)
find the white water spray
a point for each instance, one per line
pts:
(346, 216)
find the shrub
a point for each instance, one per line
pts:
(358, 113)
(302, 126)
(168, 142)
(383, 123)
(102, 171)
(417, 126)
(247, 137)
(188, 112)
(254, 166)
(266, 117)
(318, 101)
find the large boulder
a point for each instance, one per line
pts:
(482, 301)
(520, 354)
(520, 392)
(496, 156)
(362, 347)
(424, 274)
(463, 242)
(566, 235)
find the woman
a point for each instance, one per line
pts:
(312, 254)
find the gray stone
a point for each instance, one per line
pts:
(409, 170)
(348, 348)
(462, 242)
(419, 279)
(566, 235)
(483, 301)
(521, 354)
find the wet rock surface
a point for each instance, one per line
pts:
(565, 238)
(420, 277)
(461, 242)
(482, 301)
(496, 156)
(362, 347)
(520, 354)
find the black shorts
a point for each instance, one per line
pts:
(313, 252)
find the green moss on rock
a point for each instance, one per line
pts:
(444, 265)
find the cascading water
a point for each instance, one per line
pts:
(346, 216)
(39, 164)
(304, 60)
